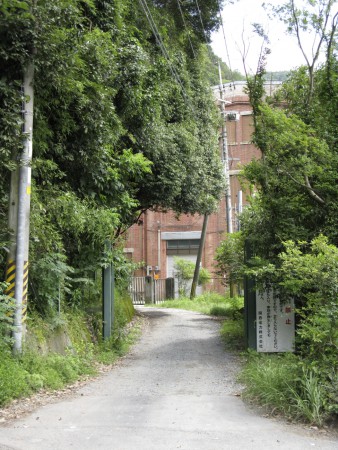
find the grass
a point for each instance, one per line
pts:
(232, 332)
(282, 384)
(34, 371)
(112, 349)
(209, 303)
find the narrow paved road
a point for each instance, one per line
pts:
(175, 390)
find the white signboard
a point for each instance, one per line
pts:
(275, 323)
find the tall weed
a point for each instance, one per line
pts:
(232, 332)
(309, 398)
(282, 384)
(270, 380)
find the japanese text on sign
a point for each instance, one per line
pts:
(275, 323)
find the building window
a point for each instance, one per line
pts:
(182, 246)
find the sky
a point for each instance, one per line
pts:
(285, 54)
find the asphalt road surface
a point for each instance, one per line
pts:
(175, 390)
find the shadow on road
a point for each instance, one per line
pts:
(152, 314)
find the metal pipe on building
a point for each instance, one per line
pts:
(159, 245)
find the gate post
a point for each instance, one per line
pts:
(169, 288)
(249, 302)
(149, 290)
(107, 288)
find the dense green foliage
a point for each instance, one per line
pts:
(6, 318)
(124, 121)
(230, 258)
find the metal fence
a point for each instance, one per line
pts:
(137, 290)
(159, 290)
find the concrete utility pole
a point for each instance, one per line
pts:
(19, 212)
(108, 296)
(199, 258)
(225, 156)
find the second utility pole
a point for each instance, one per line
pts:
(225, 156)
(199, 258)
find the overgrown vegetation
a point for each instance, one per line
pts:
(40, 368)
(290, 224)
(209, 303)
(121, 125)
(282, 385)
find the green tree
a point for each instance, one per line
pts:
(297, 134)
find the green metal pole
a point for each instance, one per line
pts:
(107, 296)
(112, 296)
(249, 302)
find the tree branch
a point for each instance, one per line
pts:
(312, 192)
(306, 186)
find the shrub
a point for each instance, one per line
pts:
(12, 379)
(7, 308)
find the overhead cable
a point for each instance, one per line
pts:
(204, 32)
(160, 43)
(185, 26)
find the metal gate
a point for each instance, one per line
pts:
(137, 290)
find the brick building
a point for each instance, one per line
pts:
(161, 236)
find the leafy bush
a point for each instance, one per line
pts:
(310, 273)
(12, 379)
(230, 258)
(7, 307)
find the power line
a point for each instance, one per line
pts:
(185, 26)
(204, 32)
(160, 43)
(201, 20)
